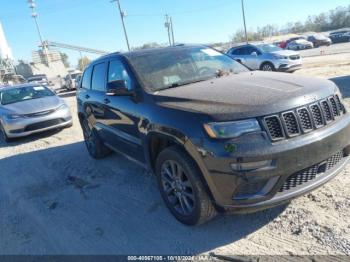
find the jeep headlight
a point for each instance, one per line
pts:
(222, 130)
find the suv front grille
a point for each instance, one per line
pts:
(312, 172)
(294, 57)
(304, 119)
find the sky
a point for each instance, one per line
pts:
(96, 23)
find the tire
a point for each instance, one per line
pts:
(267, 66)
(184, 194)
(93, 142)
(3, 136)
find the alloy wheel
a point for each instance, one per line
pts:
(267, 67)
(177, 187)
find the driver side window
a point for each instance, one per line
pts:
(117, 71)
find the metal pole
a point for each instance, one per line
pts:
(167, 25)
(172, 30)
(123, 23)
(245, 27)
(39, 32)
(43, 44)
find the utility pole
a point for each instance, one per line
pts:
(35, 16)
(122, 15)
(245, 27)
(168, 26)
(172, 30)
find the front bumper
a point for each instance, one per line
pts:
(288, 65)
(30, 125)
(288, 158)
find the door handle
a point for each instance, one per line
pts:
(106, 101)
(87, 96)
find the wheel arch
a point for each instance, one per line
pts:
(157, 141)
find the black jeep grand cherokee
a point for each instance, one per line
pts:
(216, 135)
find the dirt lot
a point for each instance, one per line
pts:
(54, 199)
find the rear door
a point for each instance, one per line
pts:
(95, 99)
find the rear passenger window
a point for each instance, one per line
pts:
(98, 77)
(86, 82)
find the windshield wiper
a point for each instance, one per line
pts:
(185, 83)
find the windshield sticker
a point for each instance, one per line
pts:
(211, 52)
(39, 88)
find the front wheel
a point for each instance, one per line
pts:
(182, 190)
(267, 67)
(3, 135)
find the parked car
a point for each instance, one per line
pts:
(319, 40)
(299, 45)
(301, 37)
(70, 80)
(38, 79)
(12, 79)
(266, 57)
(28, 109)
(340, 36)
(215, 134)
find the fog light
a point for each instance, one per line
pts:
(248, 166)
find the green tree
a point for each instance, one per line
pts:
(83, 62)
(65, 61)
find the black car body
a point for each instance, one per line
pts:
(319, 40)
(340, 36)
(247, 140)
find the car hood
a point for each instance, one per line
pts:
(285, 52)
(250, 94)
(34, 105)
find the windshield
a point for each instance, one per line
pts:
(267, 48)
(15, 95)
(74, 76)
(164, 69)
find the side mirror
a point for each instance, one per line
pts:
(118, 88)
(254, 54)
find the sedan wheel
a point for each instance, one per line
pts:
(3, 136)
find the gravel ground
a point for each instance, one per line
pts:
(54, 199)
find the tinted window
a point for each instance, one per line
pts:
(86, 82)
(117, 71)
(236, 51)
(98, 78)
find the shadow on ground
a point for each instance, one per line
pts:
(343, 82)
(60, 201)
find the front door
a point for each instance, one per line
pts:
(121, 117)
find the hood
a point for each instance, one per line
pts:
(34, 105)
(285, 52)
(249, 94)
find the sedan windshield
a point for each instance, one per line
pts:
(267, 48)
(15, 95)
(165, 69)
